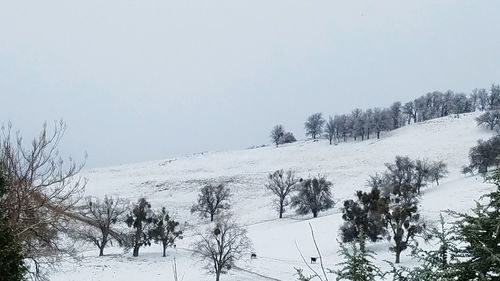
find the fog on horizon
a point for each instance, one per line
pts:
(146, 80)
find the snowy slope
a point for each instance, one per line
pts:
(174, 183)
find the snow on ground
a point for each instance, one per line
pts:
(174, 183)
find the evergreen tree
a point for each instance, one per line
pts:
(165, 230)
(479, 232)
(139, 219)
(365, 217)
(357, 264)
(435, 264)
(12, 265)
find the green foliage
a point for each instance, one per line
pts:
(165, 230)
(479, 232)
(301, 276)
(12, 265)
(357, 265)
(364, 216)
(139, 219)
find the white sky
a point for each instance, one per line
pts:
(142, 80)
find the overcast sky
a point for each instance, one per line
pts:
(144, 80)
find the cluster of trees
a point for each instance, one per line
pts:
(362, 124)
(39, 192)
(390, 209)
(224, 241)
(468, 249)
(311, 195)
(146, 224)
(280, 136)
(39, 197)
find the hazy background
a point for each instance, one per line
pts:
(143, 80)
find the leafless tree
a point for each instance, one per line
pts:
(438, 170)
(42, 189)
(212, 199)
(221, 245)
(482, 96)
(314, 125)
(105, 213)
(330, 129)
(281, 184)
(277, 134)
(491, 119)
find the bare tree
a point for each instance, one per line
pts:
(42, 189)
(491, 119)
(212, 199)
(396, 110)
(277, 133)
(314, 125)
(314, 195)
(281, 184)
(105, 213)
(482, 98)
(438, 170)
(330, 129)
(221, 245)
(422, 173)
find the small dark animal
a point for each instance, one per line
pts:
(313, 259)
(253, 256)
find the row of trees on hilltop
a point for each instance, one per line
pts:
(364, 124)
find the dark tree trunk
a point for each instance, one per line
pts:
(378, 135)
(211, 216)
(136, 251)
(315, 214)
(398, 255)
(281, 209)
(164, 249)
(103, 244)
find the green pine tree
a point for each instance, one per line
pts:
(434, 264)
(479, 232)
(357, 265)
(12, 265)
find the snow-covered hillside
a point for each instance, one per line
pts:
(174, 183)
